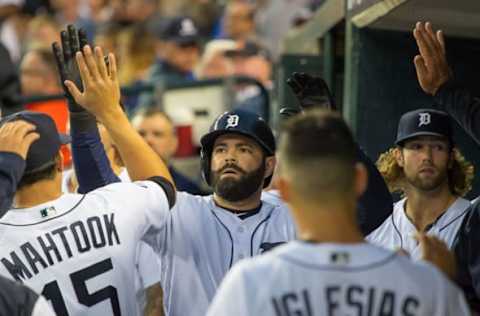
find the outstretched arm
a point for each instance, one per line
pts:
(434, 77)
(91, 164)
(101, 97)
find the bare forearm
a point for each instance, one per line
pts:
(141, 161)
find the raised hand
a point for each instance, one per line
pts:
(436, 252)
(311, 91)
(72, 42)
(101, 90)
(431, 64)
(16, 137)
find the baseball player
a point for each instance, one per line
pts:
(430, 172)
(80, 251)
(149, 292)
(330, 271)
(203, 237)
(15, 140)
(435, 78)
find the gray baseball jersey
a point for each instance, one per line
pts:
(202, 241)
(336, 279)
(80, 251)
(397, 231)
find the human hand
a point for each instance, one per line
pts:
(16, 137)
(101, 90)
(431, 64)
(311, 91)
(436, 252)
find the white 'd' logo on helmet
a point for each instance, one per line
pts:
(232, 121)
(424, 119)
(187, 28)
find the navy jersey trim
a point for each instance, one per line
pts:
(48, 219)
(229, 235)
(255, 231)
(455, 219)
(397, 231)
(343, 269)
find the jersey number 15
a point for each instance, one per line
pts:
(51, 291)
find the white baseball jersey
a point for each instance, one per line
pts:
(336, 279)
(397, 231)
(148, 262)
(203, 241)
(79, 251)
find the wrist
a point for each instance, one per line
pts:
(111, 114)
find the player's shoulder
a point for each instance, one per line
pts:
(193, 202)
(126, 192)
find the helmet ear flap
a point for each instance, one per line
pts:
(205, 164)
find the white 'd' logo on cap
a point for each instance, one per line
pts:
(232, 121)
(187, 28)
(424, 119)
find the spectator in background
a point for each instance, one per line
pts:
(42, 31)
(140, 10)
(177, 50)
(38, 76)
(158, 131)
(239, 21)
(137, 51)
(100, 11)
(108, 36)
(214, 63)
(252, 60)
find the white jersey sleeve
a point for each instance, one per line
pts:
(42, 308)
(232, 296)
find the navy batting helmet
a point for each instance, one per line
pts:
(239, 122)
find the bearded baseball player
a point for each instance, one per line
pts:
(80, 251)
(203, 237)
(432, 175)
(330, 270)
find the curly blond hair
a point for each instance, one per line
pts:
(460, 176)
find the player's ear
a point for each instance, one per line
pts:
(361, 179)
(397, 152)
(270, 163)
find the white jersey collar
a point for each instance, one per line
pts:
(456, 210)
(42, 212)
(334, 255)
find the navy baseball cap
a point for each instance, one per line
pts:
(43, 150)
(422, 122)
(181, 30)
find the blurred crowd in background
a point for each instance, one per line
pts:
(155, 41)
(167, 41)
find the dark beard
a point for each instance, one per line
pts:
(234, 190)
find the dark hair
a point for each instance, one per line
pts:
(318, 154)
(48, 171)
(319, 134)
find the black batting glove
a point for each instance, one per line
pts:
(311, 91)
(72, 42)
